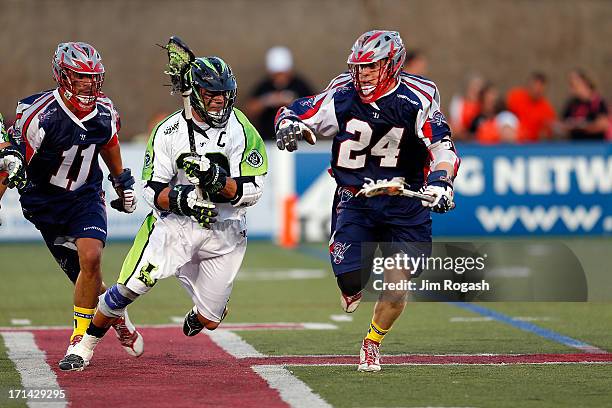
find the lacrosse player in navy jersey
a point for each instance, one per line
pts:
(387, 127)
(56, 139)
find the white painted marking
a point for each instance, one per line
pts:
(224, 326)
(21, 322)
(233, 344)
(341, 318)
(281, 274)
(292, 390)
(30, 362)
(319, 326)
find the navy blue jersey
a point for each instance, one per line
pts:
(396, 136)
(62, 150)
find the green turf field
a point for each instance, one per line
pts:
(34, 288)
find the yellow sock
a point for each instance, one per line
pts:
(82, 318)
(375, 333)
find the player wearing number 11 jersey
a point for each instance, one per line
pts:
(385, 123)
(57, 138)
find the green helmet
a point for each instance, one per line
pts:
(213, 75)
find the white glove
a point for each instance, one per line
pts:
(440, 187)
(290, 131)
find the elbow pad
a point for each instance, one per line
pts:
(151, 193)
(250, 189)
(444, 152)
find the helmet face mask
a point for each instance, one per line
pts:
(214, 90)
(79, 73)
(383, 47)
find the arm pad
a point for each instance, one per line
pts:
(250, 189)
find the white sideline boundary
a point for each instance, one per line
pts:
(292, 390)
(32, 366)
(223, 327)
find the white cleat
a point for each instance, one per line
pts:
(369, 356)
(350, 303)
(131, 340)
(79, 353)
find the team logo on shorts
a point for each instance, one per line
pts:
(337, 251)
(145, 275)
(254, 159)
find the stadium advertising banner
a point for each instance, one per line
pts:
(518, 190)
(543, 189)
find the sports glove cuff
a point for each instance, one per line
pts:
(439, 178)
(178, 199)
(123, 181)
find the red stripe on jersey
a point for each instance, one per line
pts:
(24, 129)
(427, 130)
(429, 98)
(312, 111)
(114, 141)
(424, 82)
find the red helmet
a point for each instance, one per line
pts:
(78, 71)
(371, 47)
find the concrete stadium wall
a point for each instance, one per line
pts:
(503, 40)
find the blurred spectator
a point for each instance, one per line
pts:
(493, 124)
(586, 114)
(279, 88)
(533, 110)
(416, 63)
(465, 108)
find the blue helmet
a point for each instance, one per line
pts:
(213, 75)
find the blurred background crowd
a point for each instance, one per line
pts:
(508, 72)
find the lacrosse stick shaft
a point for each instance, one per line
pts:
(416, 194)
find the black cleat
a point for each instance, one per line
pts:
(72, 362)
(191, 325)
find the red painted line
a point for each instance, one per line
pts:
(194, 371)
(438, 359)
(174, 371)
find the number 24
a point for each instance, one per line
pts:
(387, 147)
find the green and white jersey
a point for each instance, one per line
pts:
(237, 147)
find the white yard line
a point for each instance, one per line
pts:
(21, 322)
(341, 318)
(233, 344)
(32, 366)
(292, 390)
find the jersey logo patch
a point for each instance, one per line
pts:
(254, 159)
(439, 118)
(147, 160)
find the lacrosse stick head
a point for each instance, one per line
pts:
(180, 58)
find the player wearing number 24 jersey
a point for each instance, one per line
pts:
(385, 124)
(57, 138)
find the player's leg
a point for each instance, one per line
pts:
(412, 241)
(209, 284)
(154, 255)
(352, 228)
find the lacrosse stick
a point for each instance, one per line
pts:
(180, 58)
(395, 186)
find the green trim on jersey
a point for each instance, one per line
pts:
(254, 158)
(140, 244)
(3, 135)
(147, 168)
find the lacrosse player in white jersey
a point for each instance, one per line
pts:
(197, 229)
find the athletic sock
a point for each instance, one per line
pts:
(82, 317)
(375, 333)
(96, 331)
